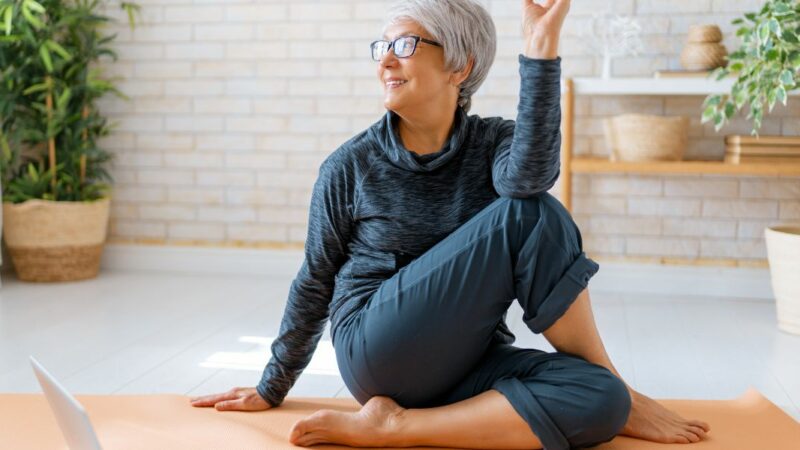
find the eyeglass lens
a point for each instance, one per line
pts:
(403, 48)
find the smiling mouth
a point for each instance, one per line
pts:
(394, 84)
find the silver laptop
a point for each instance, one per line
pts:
(70, 415)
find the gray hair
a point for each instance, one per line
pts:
(463, 27)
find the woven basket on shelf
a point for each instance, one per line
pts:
(56, 241)
(643, 137)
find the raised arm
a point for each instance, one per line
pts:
(306, 312)
(527, 156)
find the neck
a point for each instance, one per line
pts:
(426, 131)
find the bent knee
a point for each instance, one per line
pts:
(607, 412)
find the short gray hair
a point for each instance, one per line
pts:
(463, 27)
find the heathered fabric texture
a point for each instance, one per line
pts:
(375, 206)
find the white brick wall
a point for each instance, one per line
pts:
(234, 104)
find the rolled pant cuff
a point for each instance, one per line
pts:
(574, 280)
(527, 406)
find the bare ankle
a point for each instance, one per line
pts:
(398, 430)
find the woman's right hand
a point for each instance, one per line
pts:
(237, 399)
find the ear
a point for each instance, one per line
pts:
(458, 77)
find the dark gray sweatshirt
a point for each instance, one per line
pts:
(376, 206)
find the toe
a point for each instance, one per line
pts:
(690, 436)
(680, 439)
(699, 423)
(701, 433)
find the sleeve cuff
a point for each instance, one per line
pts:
(574, 280)
(265, 395)
(526, 60)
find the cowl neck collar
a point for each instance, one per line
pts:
(386, 134)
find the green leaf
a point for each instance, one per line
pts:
(730, 110)
(36, 88)
(708, 113)
(63, 99)
(781, 9)
(45, 55)
(763, 32)
(781, 94)
(772, 96)
(32, 4)
(32, 173)
(7, 16)
(35, 22)
(56, 47)
(773, 54)
(787, 77)
(774, 27)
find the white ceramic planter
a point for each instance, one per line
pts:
(783, 251)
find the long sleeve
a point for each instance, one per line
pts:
(306, 312)
(527, 156)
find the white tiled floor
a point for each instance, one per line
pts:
(138, 332)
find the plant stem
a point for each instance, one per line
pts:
(51, 140)
(84, 137)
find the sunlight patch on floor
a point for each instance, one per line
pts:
(323, 362)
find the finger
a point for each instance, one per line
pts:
(532, 4)
(210, 400)
(230, 405)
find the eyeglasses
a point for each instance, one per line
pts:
(404, 46)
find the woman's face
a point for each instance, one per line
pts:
(426, 80)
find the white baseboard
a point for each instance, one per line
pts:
(211, 260)
(655, 279)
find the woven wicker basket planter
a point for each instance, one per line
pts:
(643, 137)
(56, 241)
(783, 251)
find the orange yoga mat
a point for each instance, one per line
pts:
(169, 422)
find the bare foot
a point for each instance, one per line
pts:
(653, 422)
(371, 426)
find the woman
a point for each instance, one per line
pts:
(422, 231)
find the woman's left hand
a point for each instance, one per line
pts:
(651, 421)
(541, 27)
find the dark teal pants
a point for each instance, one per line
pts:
(427, 336)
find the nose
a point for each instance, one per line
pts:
(389, 56)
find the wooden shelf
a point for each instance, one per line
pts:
(654, 86)
(651, 86)
(603, 165)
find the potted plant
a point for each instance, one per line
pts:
(767, 66)
(56, 189)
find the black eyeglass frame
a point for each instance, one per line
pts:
(417, 40)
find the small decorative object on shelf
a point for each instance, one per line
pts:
(763, 149)
(612, 36)
(643, 137)
(783, 253)
(703, 50)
